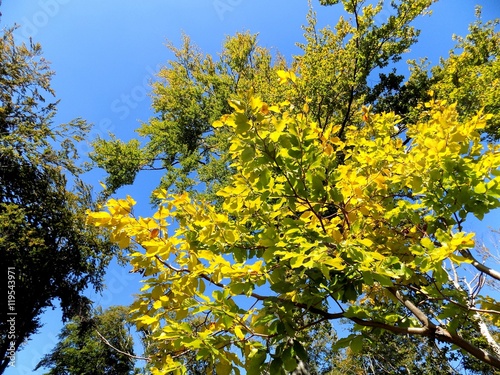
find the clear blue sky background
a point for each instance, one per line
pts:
(105, 53)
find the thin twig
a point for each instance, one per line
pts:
(120, 351)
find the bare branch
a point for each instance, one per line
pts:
(479, 266)
(120, 351)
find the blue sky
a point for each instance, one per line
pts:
(105, 53)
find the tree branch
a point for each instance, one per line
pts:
(419, 314)
(120, 351)
(442, 334)
(483, 328)
(446, 336)
(479, 266)
(429, 329)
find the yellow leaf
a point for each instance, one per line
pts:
(337, 236)
(274, 136)
(239, 333)
(430, 143)
(328, 149)
(131, 201)
(99, 218)
(256, 103)
(366, 242)
(156, 293)
(160, 193)
(282, 74)
(124, 242)
(306, 215)
(218, 124)
(230, 236)
(148, 319)
(427, 243)
(237, 105)
(162, 213)
(257, 266)
(335, 263)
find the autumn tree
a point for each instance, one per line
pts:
(340, 229)
(330, 209)
(47, 251)
(468, 76)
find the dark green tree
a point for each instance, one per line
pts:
(100, 344)
(47, 251)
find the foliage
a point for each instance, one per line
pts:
(334, 228)
(190, 95)
(470, 74)
(194, 90)
(323, 202)
(82, 350)
(468, 77)
(44, 243)
(337, 63)
(318, 340)
(399, 355)
(194, 365)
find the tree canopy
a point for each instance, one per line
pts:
(98, 344)
(48, 252)
(340, 229)
(328, 197)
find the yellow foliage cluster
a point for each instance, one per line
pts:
(312, 215)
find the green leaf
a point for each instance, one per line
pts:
(255, 363)
(276, 366)
(355, 311)
(383, 279)
(299, 350)
(356, 344)
(289, 362)
(242, 123)
(247, 154)
(343, 342)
